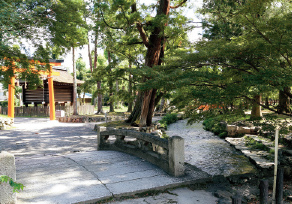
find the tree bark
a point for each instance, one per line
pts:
(151, 107)
(89, 56)
(111, 104)
(155, 50)
(161, 107)
(75, 112)
(99, 98)
(256, 108)
(135, 114)
(267, 101)
(130, 89)
(284, 103)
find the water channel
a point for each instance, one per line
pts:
(208, 152)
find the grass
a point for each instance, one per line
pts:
(3, 116)
(253, 144)
(117, 110)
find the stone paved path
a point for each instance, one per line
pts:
(57, 163)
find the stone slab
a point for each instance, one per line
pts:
(91, 176)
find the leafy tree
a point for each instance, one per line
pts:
(248, 53)
(23, 20)
(135, 20)
(69, 30)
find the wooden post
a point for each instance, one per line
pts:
(51, 96)
(11, 91)
(264, 193)
(279, 186)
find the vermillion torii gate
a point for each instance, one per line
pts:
(50, 75)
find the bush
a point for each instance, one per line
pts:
(217, 124)
(168, 119)
(4, 103)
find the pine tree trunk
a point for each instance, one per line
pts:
(99, 98)
(130, 104)
(161, 107)
(145, 108)
(155, 48)
(135, 114)
(151, 107)
(256, 108)
(284, 103)
(267, 101)
(118, 104)
(89, 57)
(111, 104)
(75, 112)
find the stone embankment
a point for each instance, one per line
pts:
(263, 156)
(88, 119)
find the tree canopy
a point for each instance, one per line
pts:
(246, 51)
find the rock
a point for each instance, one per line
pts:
(222, 194)
(231, 129)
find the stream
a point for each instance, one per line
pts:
(208, 152)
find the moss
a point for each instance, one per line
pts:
(253, 144)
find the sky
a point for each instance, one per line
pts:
(193, 36)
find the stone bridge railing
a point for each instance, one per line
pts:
(167, 154)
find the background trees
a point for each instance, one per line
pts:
(245, 54)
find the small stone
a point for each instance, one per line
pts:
(223, 194)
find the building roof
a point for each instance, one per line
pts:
(65, 77)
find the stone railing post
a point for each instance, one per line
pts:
(7, 167)
(99, 139)
(176, 156)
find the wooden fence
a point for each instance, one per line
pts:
(44, 111)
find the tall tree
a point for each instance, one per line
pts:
(153, 34)
(21, 20)
(70, 31)
(252, 56)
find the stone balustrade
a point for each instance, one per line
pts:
(7, 167)
(167, 154)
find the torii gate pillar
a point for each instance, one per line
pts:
(51, 96)
(11, 91)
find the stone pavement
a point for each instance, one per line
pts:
(91, 176)
(57, 163)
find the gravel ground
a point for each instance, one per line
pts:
(40, 137)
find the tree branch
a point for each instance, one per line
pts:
(179, 5)
(140, 28)
(268, 40)
(108, 24)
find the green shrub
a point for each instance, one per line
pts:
(217, 124)
(168, 119)
(253, 144)
(4, 103)
(223, 134)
